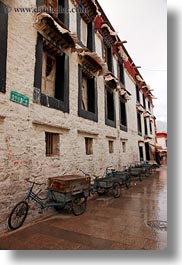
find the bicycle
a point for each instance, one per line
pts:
(53, 198)
(104, 184)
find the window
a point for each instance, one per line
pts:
(139, 123)
(83, 32)
(121, 72)
(151, 132)
(137, 94)
(86, 33)
(63, 15)
(50, 5)
(88, 94)
(51, 76)
(145, 126)
(144, 102)
(108, 57)
(87, 97)
(89, 146)
(124, 147)
(111, 146)
(147, 151)
(59, 7)
(48, 75)
(110, 108)
(123, 116)
(98, 45)
(149, 105)
(141, 153)
(52, 144)
(3, 46)
(91, 37)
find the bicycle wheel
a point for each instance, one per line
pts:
(116, 189)
(79, 204)
(18, 215)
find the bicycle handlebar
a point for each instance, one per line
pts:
(34, 183)
(86, 174)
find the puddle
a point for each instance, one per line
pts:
(103, 199)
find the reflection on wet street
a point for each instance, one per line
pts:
(137, 220)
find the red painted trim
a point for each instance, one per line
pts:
(114, 49)
(98, 22)
(161, 135)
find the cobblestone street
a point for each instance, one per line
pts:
(135, 221)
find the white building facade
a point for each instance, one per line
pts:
(70, 96)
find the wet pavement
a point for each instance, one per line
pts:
(135, 221)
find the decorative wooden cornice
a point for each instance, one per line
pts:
(89, 9)
(111, 81)
(91, 63)
(139, 107)
(54, 33)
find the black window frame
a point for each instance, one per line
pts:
(110, 60)
(64, 16)
(150, 125)
(139, 123)
(108, 121)
(144, 101)
(107, 50)
(89, 146)
(3, 45)
(121, 71)
(149, 106)
(52, 139)
(123, 119)
(147, 151)
(137, 94)
(145, 126)
(141, 153)
(47, 101)
(111, 146)
(85, 113)
(90, 33)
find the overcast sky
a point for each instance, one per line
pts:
(143, 23)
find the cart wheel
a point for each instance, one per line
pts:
(18, 215)
(59, 208)
(79, 204)
(128, 182)
(101, 191)
(116, 189)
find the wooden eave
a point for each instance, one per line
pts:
(90, 6)
(91, 62)
(54, 33)
(109, 36)
(111, 81)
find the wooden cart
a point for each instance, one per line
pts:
(70, 190)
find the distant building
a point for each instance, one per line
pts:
(161, 146)
(71, 96)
